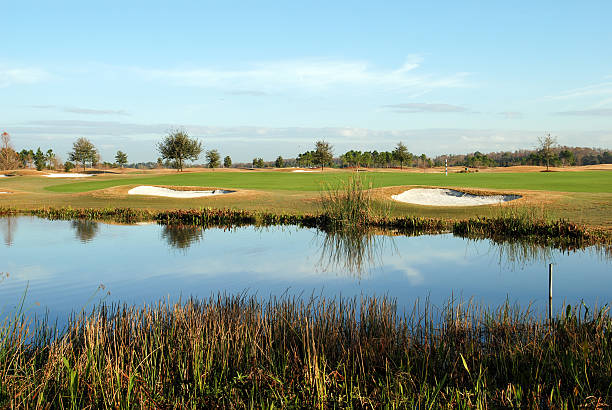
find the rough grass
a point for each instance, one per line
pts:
(237, 352)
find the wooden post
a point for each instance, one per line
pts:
(550, 288)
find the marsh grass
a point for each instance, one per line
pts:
(349, 201)
(351, 207)
(238, 351)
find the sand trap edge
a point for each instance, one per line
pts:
(149, 190)
(450, 197)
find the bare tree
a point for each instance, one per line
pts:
(546, 145)
(9, 159)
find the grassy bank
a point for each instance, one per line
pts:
(236, 351)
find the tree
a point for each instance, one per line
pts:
(401, 154)
(212, 158)
(546, 146)
(178, 147)
(39, 160)
(258, 163)
(26, 157)
(323, 154)
(121, 158)
(83, 151)
(9, 159)
(49, 157)
(280, 162)
(567, 157)
(227, 162)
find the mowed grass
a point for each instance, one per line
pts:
(586, 181)
(582, 197)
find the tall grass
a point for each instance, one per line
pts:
(348, 202)
(237, 351)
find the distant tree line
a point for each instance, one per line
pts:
(178, 147)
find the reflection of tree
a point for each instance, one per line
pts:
(9, 226)
(354, 251)
(182, 236)
(518, 254)
(85, 229)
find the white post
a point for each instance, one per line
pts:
(446, 166)
(550, 279)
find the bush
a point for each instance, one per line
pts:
(68, 166)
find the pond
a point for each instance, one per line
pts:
(66, 266)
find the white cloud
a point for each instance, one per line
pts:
(306, 74)
(16, 76)
(511, 115)
(604, 88)
(411, 108)
(598, 112)
(81, 110)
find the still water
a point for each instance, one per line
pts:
(66, 266)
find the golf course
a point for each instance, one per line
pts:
(579, 195)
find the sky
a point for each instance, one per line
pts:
(262, 79)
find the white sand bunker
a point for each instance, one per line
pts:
(449, 197)
(4, 192)
(67, 175)
(303, 170)
(3, 176)
(158, 191)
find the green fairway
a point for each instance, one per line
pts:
(585, 181)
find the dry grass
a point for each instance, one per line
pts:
(237, 351)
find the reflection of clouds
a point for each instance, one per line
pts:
(32, 273)
(414, 276)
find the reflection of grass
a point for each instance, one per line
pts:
(236, 351)
(352, 251)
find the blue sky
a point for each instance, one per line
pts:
(261, 79)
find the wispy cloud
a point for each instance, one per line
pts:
(306, 73)
(252, 93)
(411, 108)
(15, 76)
(604, 88)
(511, 115)
(599, 112)
(80, 110)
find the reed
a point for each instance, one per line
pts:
(348, 202)
(239, 351)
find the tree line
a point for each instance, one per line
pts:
(177, 147)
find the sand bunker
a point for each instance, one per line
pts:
(67, 175)
(303, 170)
(158, 191)
(3, 176)
(4, 192)
(449, 197)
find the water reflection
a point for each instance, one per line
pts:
(84, 229)
(352, 251)
(182, 236)
(518, 255)
(8, 225)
